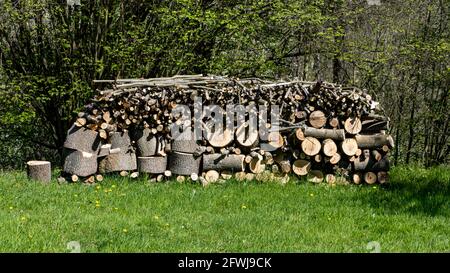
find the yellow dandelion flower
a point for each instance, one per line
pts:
(97, 202)
(156, 217)
(97, 205)
(243, 206)
(98, 187)
(311, 194)
(125, 230)
(374, 187)
(10, 207)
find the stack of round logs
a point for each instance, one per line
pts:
(325, 132)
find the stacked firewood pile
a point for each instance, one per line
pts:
(322, 131)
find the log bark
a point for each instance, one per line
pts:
(374, 141)
(80, 163)
(118, 162)
(152, 165)
(120, 140)
(221, 162)
(185, 143)
(183, 163)
(82, 139)
(336, 134)
(146, 143)
(39, 170)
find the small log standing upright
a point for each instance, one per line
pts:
(39, 170)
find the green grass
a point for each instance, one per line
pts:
(411, 214)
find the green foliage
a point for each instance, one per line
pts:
(411, 214)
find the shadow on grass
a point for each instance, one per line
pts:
(414, 191)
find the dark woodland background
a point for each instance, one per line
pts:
(50, 51)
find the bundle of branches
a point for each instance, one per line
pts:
(320, 130)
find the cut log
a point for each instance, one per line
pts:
(299, 134)
(146, 143)
(285, 166)
(212, 176)
(377, 156)
(118, 162)
(239, 176)
(82, 139)
(90, 180)
(183, 163)
(180, 179)
(227, 175)
(153, 165)
(317, 119)
(363, 162)
(383, 177)
(80, 163)
(249, 176)
(349, 146)
(318, 158)
(330, 178)
(194, 176)
(257, 165)
(301, 167)
(370, 178)
(123, 173)
(185, 143)
(221, 162)
(357, 178)
(247, 137)
(353, 125)
(329, 147)
(74, 178)
(99, 177)
(220, 138)
(311, 146)
(335, 158)
(382, 165)
(334, 122)
(374, 141)
(315, 176)
(39, 170)
(274, 141)
(336, 134)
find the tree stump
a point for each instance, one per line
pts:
(39, 170)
